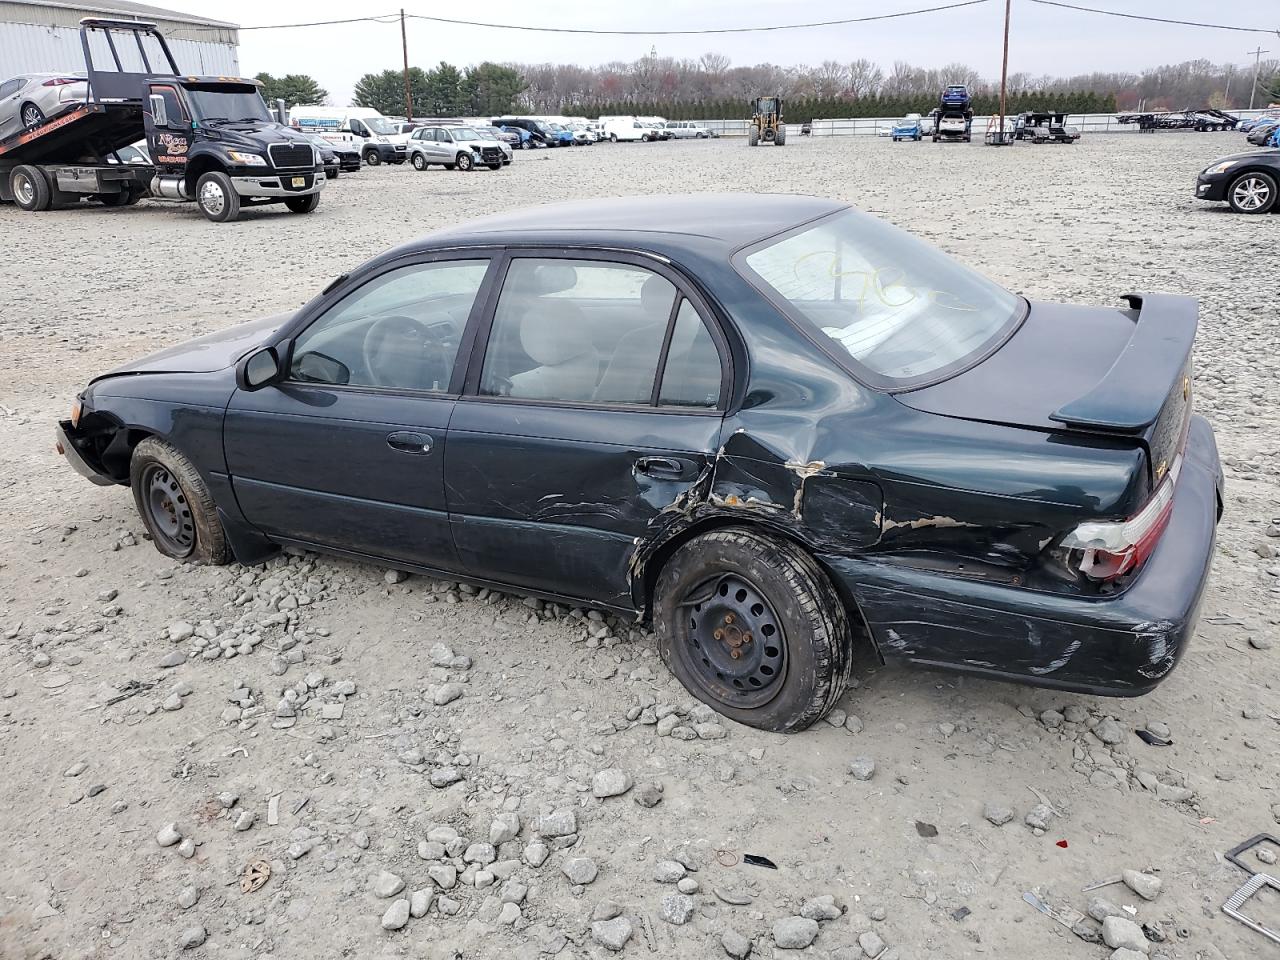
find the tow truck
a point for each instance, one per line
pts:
(211, 139)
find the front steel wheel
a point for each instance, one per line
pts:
(1253, 192)
(175, 504)
(753, 627)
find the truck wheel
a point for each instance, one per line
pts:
(216, 197)
(127, 197)
(175, 505)
(464, 162)
(372, 158)
(613, 138)
(303, 204)
(331, 174)
(1252, 192)
(419, 162)
(753, 136)
(31, 188)
(780, 137)
(752, 627)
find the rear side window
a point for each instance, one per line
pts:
(594, 332)
(895, 310)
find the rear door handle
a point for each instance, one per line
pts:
(406, 442)
(666, 468)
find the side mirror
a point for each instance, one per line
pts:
(159, 113)
(258, 369)
(319, 368)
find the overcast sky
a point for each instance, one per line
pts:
(1043, 39)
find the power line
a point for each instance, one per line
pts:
(1138, 16)
(394, 17)
(715, 30)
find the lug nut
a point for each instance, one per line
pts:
(728, 618)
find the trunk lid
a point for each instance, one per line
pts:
(1122, 373)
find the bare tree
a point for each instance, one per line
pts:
(865, 78)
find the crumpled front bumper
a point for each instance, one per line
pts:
(1119, 645)
(63, 434)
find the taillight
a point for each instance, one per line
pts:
(1105, 551)
(60, 81)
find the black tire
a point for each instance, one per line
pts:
(331, 174)
(780, 138)
(303, 204)
(613, 138)
(465, 162)
(175, 505)
(32, 116)
(127, 197)
(372, 158)
(1252, 192)
(791, 655)
(753, 136)
(216, 197)
(30, 188)
(419, 162)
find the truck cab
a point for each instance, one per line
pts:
(213, 141)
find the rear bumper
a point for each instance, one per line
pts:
(1122, 645)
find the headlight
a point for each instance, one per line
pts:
(1220, 167)
(248, 159)
(318, 158)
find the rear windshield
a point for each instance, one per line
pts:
(894, 310)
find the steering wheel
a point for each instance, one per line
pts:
(396, 353)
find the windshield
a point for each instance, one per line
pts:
(380, 125)
(464, 133)
(901, 310)
(223, 101)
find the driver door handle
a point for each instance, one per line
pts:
(406, 442)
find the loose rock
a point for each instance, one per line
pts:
(795, 933)
(612, 934)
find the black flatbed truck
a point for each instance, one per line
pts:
(219, 162)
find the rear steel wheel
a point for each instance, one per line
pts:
(734, 640)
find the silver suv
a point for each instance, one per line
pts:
(455, 148)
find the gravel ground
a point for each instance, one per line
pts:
(497, 777)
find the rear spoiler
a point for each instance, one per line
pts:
(1130, 396)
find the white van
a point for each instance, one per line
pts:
(624, 129)
(378, 139)
(687, 130)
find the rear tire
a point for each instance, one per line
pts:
(752, 627)
(780, 137)
(175, 505)
(303, 204)
(32, 116)
(216, 197)
(1252, 192)
(125, 198)
(753, 136)
(31, 189)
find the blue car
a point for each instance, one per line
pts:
(908, 128)
(526, 141)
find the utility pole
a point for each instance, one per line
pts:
(1004, 69)
(404, 44)
(1257, 59)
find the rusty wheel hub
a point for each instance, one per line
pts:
(735, 644)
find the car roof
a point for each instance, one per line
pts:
(732, 219)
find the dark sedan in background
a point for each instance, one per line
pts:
(335, 156)
(776, 426)
(1248, 182)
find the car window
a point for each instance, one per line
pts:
(577, 330)
(11, 86)
(691, 377)
(902, 311)
(400, 330)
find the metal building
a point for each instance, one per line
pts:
(43, 36)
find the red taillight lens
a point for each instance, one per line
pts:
(60, 81)
(1105, 551)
